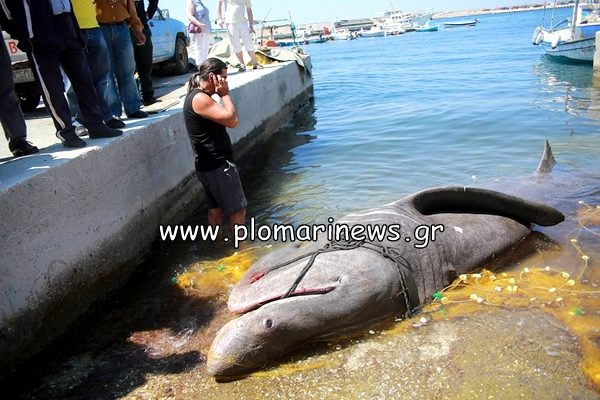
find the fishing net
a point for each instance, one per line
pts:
(215, 278)
(572, 298)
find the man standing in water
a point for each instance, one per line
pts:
(205, 121)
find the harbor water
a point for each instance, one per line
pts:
(391, 116)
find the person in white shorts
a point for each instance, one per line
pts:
(239, 28)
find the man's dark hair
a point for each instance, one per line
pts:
(213, 65)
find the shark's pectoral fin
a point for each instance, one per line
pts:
(483, 201)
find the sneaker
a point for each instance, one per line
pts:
(115, 123)
(74, 142)
(241, 68)
(80, 130)
(151, 101)
(138, 114)
(21, 148)
(257, 66)
(103, 131)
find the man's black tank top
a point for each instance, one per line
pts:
(210, 141)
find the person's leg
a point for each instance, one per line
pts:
(203, 46)
(229, 194)
(247, 40)
(46, 69)
(75, 65)
(193, 50)
(237, 218)
(124, 65)
(73, 104)
(234, 37)
(113, 96)
(143, 62)
(98, 61)
(215, 216)
(240, 57)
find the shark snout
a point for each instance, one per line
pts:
(240, 346)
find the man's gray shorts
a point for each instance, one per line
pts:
(223, 188)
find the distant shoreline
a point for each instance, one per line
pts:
(504, 10)
(283, 32)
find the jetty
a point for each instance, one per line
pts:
(74, 224)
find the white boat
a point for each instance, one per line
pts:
(399, 21)
(460, 24)
(572, 39)
(375, 31)
(341, 34)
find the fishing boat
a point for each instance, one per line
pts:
(287, 42)
(312, 39)
(427, 27)
(572, 39)
(460, 24)
(274, 33)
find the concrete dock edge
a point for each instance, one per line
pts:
(74, 231)
(596, 76)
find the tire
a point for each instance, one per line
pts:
(29, 102)
(179, 63)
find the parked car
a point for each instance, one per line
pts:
(25, 85)
(169, 40)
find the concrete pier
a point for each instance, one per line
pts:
(75, 223)
(596, 79)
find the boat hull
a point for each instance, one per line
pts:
(428, 29)
(460, 24)
(577, 50)
(373, 34)
(576, 42)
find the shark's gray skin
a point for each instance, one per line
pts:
(345, 291)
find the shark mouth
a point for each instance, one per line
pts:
(247, 307)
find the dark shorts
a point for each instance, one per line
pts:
(223, 189)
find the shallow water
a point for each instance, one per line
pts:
(391, 116)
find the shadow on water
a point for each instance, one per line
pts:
(152, 326)
(266, 172)
(111, 352)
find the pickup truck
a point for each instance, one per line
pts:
(169, 41)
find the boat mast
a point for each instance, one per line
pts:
(574, 18)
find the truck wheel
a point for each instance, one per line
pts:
(29, 102)
(180, 60)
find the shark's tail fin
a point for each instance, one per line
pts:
(547, 161)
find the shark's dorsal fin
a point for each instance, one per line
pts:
(458, 199)
(547, 161)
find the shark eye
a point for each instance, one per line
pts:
(268, 323)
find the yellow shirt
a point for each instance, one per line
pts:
(112, 11)
(85, 12)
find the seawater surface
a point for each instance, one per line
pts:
(391, 116)
(398, 114)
